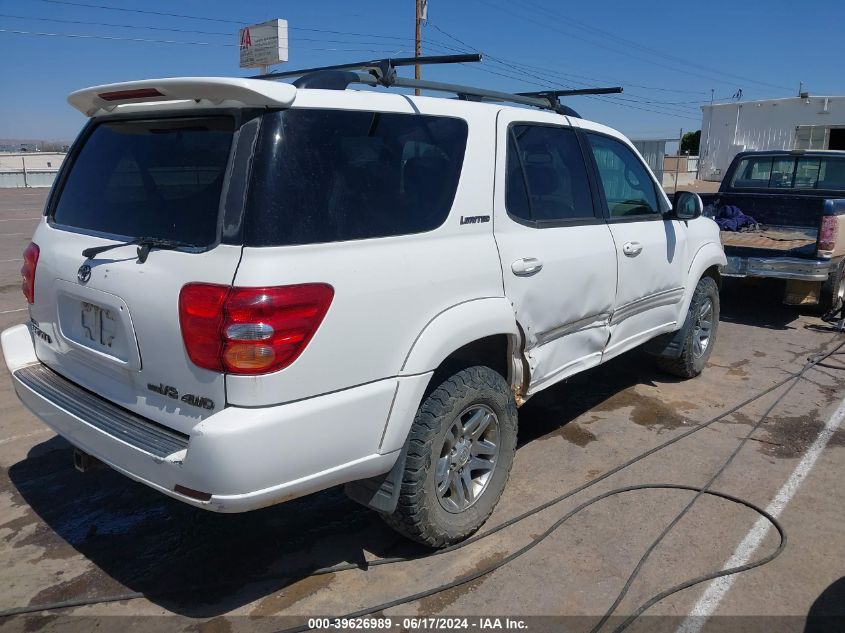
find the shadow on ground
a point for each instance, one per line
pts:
(758, 302)
(191, 561)
(201, 564)
(827, 614)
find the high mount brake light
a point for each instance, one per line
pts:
(250, 330)
(122, 95)
(30, 262)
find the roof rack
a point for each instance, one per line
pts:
(382, 72)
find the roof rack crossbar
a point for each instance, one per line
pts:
(382, 69)
(382, 72)
(461, 91)
(572, 93)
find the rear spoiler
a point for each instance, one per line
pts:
(213, 90)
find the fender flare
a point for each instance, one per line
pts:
(446, 332)
(708, 255)
(456, 326)
(671, 344)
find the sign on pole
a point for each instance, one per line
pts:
(264, 44)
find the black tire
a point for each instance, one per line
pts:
(421, 514)
(833, 291)
(692, 360)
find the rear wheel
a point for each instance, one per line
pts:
(833, 291)
(701, 323)
(459, 455)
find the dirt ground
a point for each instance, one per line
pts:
(69, 536)
(698, 186)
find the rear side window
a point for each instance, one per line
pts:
(628, 188)
(157, 178)
(546, 176)
(820, 173)
(769, 172)
(331, 175)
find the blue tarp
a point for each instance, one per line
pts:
(730, 218)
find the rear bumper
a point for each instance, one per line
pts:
(244, 458)
(778, 268)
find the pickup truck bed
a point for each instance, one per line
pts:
(797, 197)
(796, 241)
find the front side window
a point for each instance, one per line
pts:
(546, 176)
(336, 175)
(628, 188)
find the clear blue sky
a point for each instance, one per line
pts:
(667, 55)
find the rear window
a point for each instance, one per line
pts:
(156, 178)
(331, 175)
(804, 172)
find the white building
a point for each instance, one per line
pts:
(793, 123)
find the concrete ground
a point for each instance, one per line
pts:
(65, 535)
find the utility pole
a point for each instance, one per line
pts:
(678, 158)
(418, 48)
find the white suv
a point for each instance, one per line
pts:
(245, 291)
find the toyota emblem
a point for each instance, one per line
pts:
(84, 273)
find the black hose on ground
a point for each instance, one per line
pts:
(700, 491)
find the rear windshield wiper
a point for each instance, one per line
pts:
(144, 245)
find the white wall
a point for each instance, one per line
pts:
(29, 169)
(727, 129)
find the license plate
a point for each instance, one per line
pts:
(98, 325)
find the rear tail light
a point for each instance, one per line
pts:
(250, 330)
(827, 235)
(30, 261)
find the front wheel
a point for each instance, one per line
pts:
(459, 454)
(701, 325)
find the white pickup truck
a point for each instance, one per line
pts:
(244, 291)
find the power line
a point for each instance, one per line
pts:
(191, 43)
(626, 53)
(145, 11)
(567, 75)
(171, 30)
(669, 110)
(652, 51)
(209, 19)
(547, 84)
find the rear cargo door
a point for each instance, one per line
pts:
(110, 321)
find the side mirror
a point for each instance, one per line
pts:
(688, 205)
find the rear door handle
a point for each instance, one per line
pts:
(632, 249)
(526, 266)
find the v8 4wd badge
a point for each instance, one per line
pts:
(188, 398)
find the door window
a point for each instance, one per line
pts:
(546, 177)
(628, 188)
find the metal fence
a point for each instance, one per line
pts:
(29, 169)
